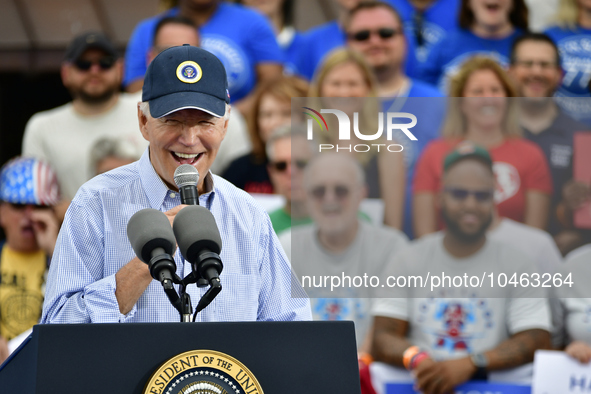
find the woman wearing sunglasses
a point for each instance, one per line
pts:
(487, 28)
(271, 109)
(345, 82)
(484, 114)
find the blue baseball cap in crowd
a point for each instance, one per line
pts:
(186, 77)
(24, 180)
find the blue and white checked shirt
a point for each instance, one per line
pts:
(93, 245)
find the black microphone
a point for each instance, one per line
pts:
(199, 239)
(152, 239)
(186, 177)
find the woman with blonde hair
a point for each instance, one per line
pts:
(344, 81)
(481, 111)
(271, 109)
(572, 34)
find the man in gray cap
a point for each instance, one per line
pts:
(64, 136)
(95, 276)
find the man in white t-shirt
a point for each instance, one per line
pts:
(540, 247)
(63, 136)
(338, 244)
(463, 331)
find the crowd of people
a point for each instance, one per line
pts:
(489, 180)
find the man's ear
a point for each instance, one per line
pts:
(65, 71)
(143, 121)
(439, 200)
(119, 66)
(227, 121)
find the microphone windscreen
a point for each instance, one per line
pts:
(149, 229)
(195, 229)
(186, 175)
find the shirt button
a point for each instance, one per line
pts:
(172, 195)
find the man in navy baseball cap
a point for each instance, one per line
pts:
(185, 110)
(186, 77)
(184, 116)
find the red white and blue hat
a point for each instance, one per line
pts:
(25, 180)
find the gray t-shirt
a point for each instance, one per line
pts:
(372, 248)
(454, 322)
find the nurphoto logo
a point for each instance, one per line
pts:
(344, 123)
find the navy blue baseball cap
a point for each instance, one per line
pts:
(186, 77)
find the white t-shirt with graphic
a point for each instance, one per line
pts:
(368, 255)
(455, 322)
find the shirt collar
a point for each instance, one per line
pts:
(156, 189)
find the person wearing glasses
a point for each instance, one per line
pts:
(63, 136)
(271, 109)
(28, 191)
(178, 30)
(289, 152)
(481, 111)
(339, 243)
(535, 69)
(375, 30)
(458, 332)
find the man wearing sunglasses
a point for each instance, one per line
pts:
(28, 190)
(462, 332)
(63, 136)
(375, 29)
(340, 244)
(288, 152)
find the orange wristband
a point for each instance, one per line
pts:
(365, 358)
(408, 355)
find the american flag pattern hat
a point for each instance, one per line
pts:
(25, 180)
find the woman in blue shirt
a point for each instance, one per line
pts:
(486, 28)
(572, 35)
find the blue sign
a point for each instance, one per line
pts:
(468, 388)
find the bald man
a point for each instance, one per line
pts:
(338, 244)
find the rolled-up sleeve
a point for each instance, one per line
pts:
(78, 291)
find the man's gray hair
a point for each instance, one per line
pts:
(112, 147)
(286, 131)
(145, 108)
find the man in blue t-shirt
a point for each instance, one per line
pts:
(320, 40)
(535, 69)
(240, 37)
(374, 29)
(425, 24)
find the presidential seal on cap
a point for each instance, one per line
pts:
(189, 72)
(186, 77)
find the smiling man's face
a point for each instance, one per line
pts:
(188, 136)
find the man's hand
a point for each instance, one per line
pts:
(134, 277)
(443, 376)
(575, 194)
(4, 353)
(171, 214)
(46, 227)
(580, 351)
